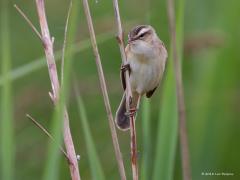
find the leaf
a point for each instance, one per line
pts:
(146, 122)
(95, 166)
(6, 119)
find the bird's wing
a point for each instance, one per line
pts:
(150, 93)
(163, 52)
(122, 72)
(123, 80)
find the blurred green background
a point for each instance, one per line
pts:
(208, 40)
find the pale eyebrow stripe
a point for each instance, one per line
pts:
(143, 30)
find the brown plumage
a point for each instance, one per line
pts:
(146, 56)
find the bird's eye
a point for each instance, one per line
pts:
(143, 34)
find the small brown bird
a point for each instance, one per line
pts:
(146, 58)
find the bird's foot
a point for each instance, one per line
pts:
(132, 112)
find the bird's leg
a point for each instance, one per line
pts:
(131, 113)
(133, 110)
(138, 101)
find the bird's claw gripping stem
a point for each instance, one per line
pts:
(131, 113)
(125, 67)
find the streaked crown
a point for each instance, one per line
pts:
(140, 32)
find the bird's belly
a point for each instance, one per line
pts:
(144, 76)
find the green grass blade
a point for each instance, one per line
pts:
(53, 156)
(95, 166)
(180, 26)
(213, 126)
(40, 62)
(146, 139)
(6, 121)
(168, 126)
(167, 130)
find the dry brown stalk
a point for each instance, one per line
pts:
(47, 133)
(48, 47)
(180, 95)
(120, 39)
(47, 41)
(28, 21)
(104, 91)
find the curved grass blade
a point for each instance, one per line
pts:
(95, 165)
(40, 62)
(167, 130)
(168, 126)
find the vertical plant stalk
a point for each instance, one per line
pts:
(133, 149)
(146, 139)
(120, 38)
(48, 48)
(7, 147)
(94, 162)
(104, 91)
(65, 41)
(180, 95)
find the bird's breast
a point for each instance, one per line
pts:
(146, 73)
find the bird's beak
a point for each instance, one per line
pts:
(131, 40)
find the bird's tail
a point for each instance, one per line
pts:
(122, 119)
